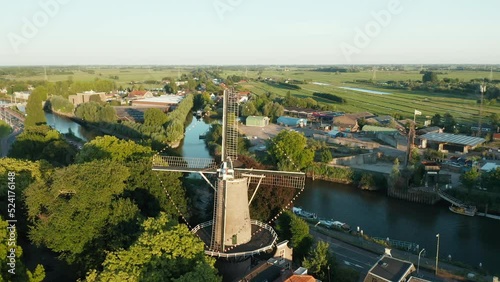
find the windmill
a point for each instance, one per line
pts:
(232, 233)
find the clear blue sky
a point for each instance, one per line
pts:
(193, 32)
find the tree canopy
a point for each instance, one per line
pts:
(95, 112)
(79, 211)
(154, 117)
(34, 107)
(163, 252)
(21, 273)
(5, 129)
(288, 150)
(42, 142)
(110, 147)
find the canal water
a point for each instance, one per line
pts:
(472, 240)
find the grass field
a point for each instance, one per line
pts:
(463, 107)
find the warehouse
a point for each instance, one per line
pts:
(258, 121)
(161, 101)
(450, 142)
(291, 121)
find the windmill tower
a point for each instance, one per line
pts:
(232, 234)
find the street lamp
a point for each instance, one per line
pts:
(437, 253)
(418, 265)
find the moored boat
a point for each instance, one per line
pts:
(467, 210)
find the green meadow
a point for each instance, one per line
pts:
(463, 107)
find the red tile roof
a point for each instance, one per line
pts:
(137, 93)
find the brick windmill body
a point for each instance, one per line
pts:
(232, 236)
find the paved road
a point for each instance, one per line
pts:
(361, 259)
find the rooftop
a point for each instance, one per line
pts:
(454, 139)
(170, 99)
(389, 269)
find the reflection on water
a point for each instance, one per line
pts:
(65, 125)
(468, 239)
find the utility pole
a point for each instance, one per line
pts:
(482, 88)
(437, 253)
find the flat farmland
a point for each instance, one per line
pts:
(463, 107)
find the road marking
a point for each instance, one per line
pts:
(353, 264)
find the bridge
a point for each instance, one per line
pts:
(13, 118)
(460, 207)
(451, 199)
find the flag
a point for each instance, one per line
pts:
(418, 113)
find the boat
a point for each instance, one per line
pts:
(335, 224)
(303, 213)
(465, 210)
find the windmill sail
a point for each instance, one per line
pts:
(230, 126)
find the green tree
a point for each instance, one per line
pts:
(319, 260)
(326, 155)
(436, 120)
(111, 148)
(163, 252)
(248, 109)
(154, 117)
(288, 150)
(5, 129)
(296, 230)
(20, 272)
(60, 104)
(449, 123)
(430, 76)
(34, 108)
(42, 142)
(395, 173)
(470, 178)
(80, 213)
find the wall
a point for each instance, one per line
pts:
(369, 158)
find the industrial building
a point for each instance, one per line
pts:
(450, 142)
(160, 101)
(258, 121)
(291, 121)
(84, 97)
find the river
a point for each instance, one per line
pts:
(472, 240)
(65, 125)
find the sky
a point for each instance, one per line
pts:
(249, 32)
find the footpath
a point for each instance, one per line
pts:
(446, 270)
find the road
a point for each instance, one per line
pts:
(362, 260)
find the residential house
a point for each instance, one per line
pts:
(23, 95)
(390, 269)
(140, 94)
(243, 96)
(496, 136)
(349, 122)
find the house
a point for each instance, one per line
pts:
(84, 97)
(23, 95)
(389, 269)
(243, 96)
(346, 123)
(291, 121)
(382, 120)
(258, 121)
(496, 136)
(140, 94)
